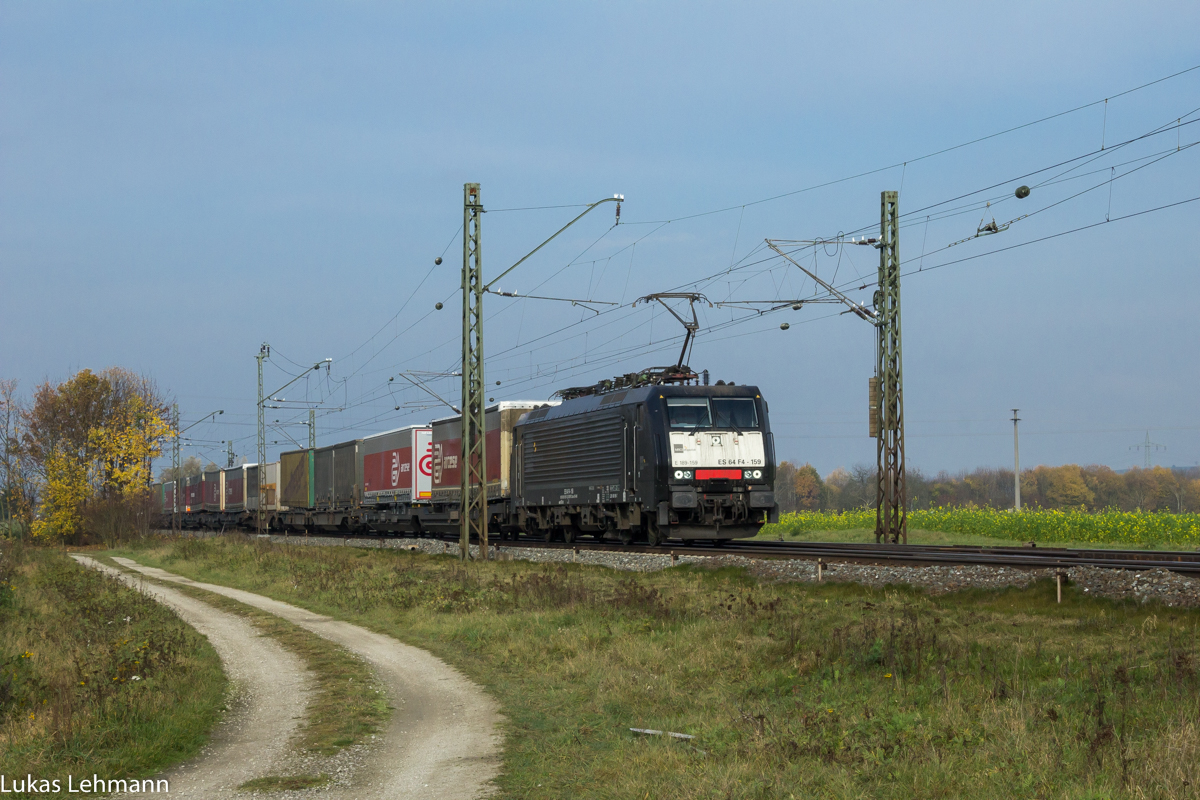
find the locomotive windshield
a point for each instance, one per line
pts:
(688, 413)
(734, 412)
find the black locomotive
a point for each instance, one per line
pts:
(653, 462)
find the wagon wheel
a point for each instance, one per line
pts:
(626, 535)
(654, 536)
(568, 533)
(548, 534)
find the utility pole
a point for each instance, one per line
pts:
(891, 507)
(472, 464)
(312, 429)
(264, 352)
(175, 466)
(1016, 463)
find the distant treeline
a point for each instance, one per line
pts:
(801, 488)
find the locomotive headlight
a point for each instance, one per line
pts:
(757, 474)
(678, 474)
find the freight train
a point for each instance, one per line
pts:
(619, 462)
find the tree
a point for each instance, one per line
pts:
(91, 440)
(1064, 487)
(808, 488)
(190, 468)
(1142, 487)
(862, 487)
(63, 496)
(16, 492)
(60, 421)
(785, 488)
(835, 489)
(1107, 487)
(125, 445)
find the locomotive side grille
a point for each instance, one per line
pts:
(585, 451)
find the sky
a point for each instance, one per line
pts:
(181, 183)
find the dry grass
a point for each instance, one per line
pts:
(348, 704)
(94, 676)
(791, 690)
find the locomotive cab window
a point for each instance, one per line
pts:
(734, 412)
(686, 413)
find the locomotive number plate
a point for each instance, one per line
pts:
(718, 449)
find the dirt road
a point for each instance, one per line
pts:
(272, 688)
(442, 741)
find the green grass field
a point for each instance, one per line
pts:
(985, 526)
(94, 676)
(791, 690)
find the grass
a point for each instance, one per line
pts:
(1059, 528)
(924, 537)
(791, 690)
(284, 783)
(347, 706)
(94, 676)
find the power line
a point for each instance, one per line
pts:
(943, 151)
(591, 323)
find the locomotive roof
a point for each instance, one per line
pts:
(624, 397)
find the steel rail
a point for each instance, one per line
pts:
(1025, 558)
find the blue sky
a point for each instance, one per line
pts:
(182, 182)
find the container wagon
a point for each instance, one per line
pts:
(397, 479)
(499, 421)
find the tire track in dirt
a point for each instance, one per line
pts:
(272, 688)
(442, 742)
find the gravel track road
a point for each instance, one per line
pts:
(442, 741)
(272, 689)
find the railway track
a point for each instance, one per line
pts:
(1028, 557)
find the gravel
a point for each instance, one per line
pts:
(1166, 587)
(442, 741)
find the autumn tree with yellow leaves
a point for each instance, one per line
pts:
(91, 441)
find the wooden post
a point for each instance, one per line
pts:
(820, 570)
(1058, 580)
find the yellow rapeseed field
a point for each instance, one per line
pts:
(1103, 527)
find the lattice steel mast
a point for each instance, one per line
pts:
(264, 352)
(473, 459)
(472, 465)
(175, 466)
(891, 507)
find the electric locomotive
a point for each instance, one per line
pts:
(650, 462)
